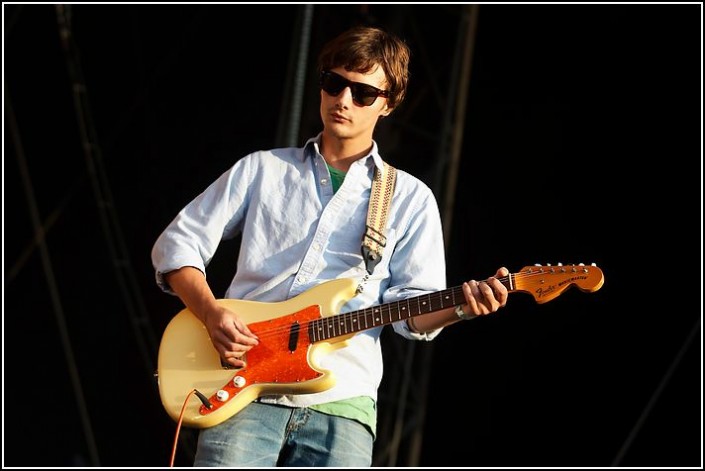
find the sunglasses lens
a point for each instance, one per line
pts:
(362, 94)
(332, 83)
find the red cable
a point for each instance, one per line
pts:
(178, 427)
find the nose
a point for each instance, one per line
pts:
(345, 95)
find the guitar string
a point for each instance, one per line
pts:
(436, 296)
(340, 318)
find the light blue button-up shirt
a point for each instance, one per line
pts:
(297, 233)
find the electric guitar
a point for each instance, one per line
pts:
(293, 335)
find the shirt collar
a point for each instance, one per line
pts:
(313, 146)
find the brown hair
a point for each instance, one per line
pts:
(361, 48)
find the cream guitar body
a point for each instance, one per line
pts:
(188, 360)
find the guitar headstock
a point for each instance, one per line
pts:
(546, 282)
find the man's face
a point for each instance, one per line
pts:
(344, 117)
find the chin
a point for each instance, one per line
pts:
(338, 130)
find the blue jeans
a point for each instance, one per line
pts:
(269, 435)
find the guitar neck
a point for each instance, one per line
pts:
(327, 328)
(544, 283)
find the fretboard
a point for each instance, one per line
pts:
(327, 328)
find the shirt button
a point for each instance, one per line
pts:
(317, 247)
(302, 279)
(324, 181)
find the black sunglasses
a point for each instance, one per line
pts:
(362, 93)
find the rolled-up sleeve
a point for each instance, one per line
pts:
(193, 236)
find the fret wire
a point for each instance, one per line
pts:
(445, 296)
(330, 325)
(432, 298)
(355, 319)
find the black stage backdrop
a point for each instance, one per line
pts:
(582, 143)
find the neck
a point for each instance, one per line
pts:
(341, 153)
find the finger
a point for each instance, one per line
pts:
(471, 294)
(234, 334)
(234, 354)
(235, 358)
(247, 336)
(223, 351)
(496, 294)
(499, 291)
(236, 362)
(488, 296)
(235, 349)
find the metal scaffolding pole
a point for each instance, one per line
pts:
(40, 239)
(146, 339)
(290, 124)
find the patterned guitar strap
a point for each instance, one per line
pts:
(374, 239)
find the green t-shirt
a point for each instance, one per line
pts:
(361, 408)
(336, 177)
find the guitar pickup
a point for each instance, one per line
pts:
(294, 336)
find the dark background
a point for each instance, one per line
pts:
(582, 143)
